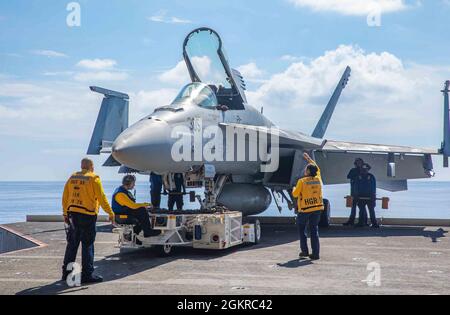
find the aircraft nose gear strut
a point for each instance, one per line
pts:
(213, 187)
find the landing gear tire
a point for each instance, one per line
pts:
(325, 220)
(257, 229)
(165, 250)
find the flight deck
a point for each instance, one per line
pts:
(411, 260)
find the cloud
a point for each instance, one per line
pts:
(13, 55)
(291, 58)
(4, 76)
(58, 73)
(44, 110)
(19, 89)
(100, 70)
(49, 53)
(352, 7)
(144, 102)
(385, 101)
(161, 17)
(250, 71)
(97, 64)
(54, 120)
(101, 76)
(180, 75)
(177, 75)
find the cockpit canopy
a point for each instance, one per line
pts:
(207, 63)
(196, 93)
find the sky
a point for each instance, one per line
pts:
(291, 53)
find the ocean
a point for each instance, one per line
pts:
(423, 200)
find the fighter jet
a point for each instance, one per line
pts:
(216, 100)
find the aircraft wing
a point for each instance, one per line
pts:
(287, 139)
(340, 146)
(391, 165)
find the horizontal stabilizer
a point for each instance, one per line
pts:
(111, 162)
(335, 166)
(126, 170)
(111, 122)
(393, 185)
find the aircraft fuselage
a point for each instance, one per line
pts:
(147, 145)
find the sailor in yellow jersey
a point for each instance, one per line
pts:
(308, 193)
(82, 198)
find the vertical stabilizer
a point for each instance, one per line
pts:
(112, 120)
(324, 121)
(446, 143)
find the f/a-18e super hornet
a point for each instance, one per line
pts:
(216, 98)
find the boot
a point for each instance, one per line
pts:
(91, 279)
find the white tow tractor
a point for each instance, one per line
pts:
(214, 227)
(196, 229)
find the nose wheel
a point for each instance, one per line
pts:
(165, 250)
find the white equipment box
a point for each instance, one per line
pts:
(218, 231)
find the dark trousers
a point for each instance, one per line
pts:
(156, 199)
(353, 212)
(310, 220)
(175, 198)
(363, 213)
(82, 230)
(141, 215)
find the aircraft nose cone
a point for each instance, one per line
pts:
(145, 146)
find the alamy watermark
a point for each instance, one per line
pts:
(74, 17)
(74, 278)
(236, 144)
(374, 277)
(374, 16)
